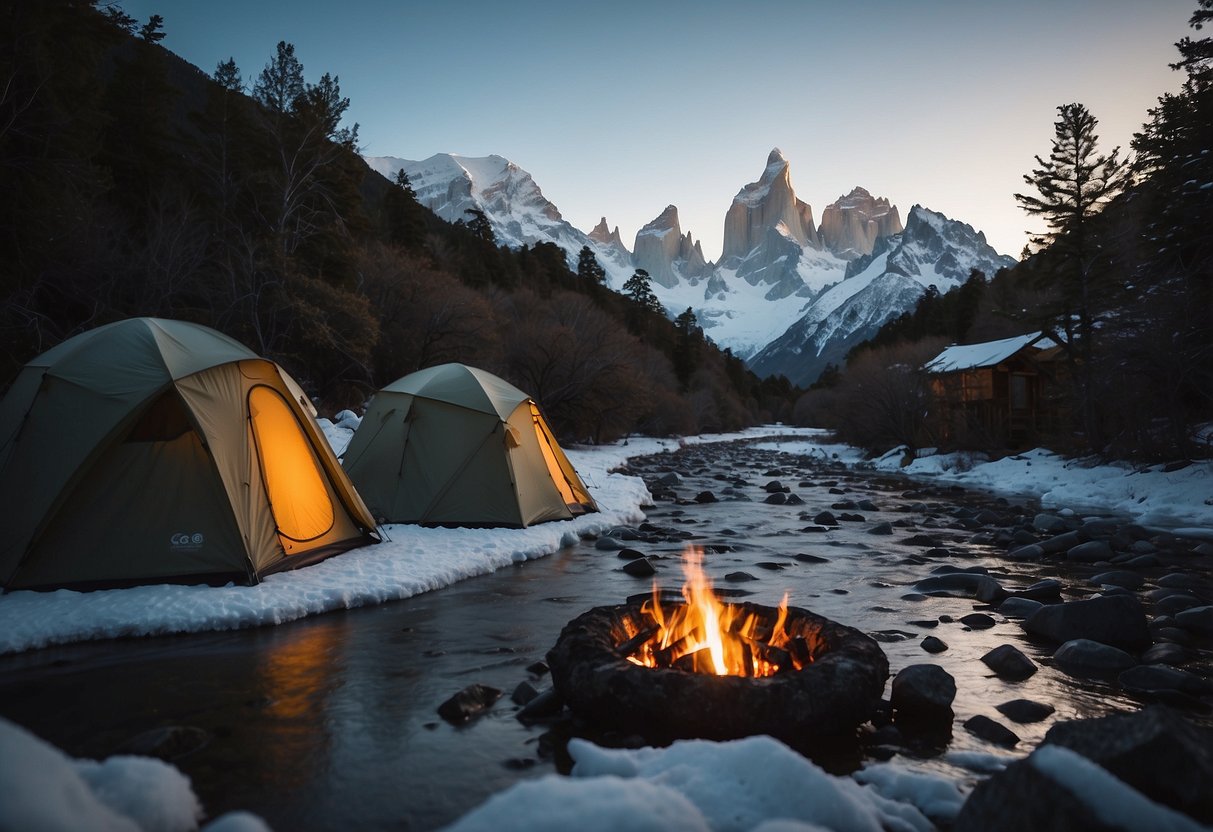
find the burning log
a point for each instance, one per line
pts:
(637, 641)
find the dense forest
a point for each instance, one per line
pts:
(136, 184)
(1122, 278)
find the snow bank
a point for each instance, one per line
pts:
(750, 784)
(42, 788)
(1150, 496)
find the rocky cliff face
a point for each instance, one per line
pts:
(931, 250)
(851, 225)
(666, 253)
(606, 237)
(770, 203)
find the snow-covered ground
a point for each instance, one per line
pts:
(755, 783)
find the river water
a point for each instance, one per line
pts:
(331, 722)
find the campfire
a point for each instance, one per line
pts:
(704, 635)
(687, 664)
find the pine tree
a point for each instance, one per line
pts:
(153, 30)
(687, 345)
(588, 267)
(640, 289)
(227, 76)
(480, 226)
(1073, 186)
(281, 81)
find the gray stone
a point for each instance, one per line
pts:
(991, 731)
(1029, 552)
(776, 499)
(1048, 589)
(881, 528)
(1049, 523)
(639, 568)
(1017, 607)
(1093, 551)
(1025, 711)
(1082, 655)
(1009, 662)
(977, 621)
(825, 518)
(1118, 577)
(609, 544)
(1060, 543)
(1166, 652)
(964, 584)
(1155, 751)
(1117, 620)
(923, 691)
(1175, 604)
(1152, 678)
(933, 645)
(1197, 619)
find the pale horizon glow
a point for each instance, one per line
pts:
(620, 110)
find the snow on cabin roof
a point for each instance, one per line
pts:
(972, 356)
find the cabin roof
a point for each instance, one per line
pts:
(972, 356)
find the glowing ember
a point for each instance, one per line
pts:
(705, 636)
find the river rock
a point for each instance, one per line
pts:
(1155, 750)
(881, 528)
(1016, 607)
(1049, 523)
(706, 497)
(1030, 552)
(776, 499)
(469, 702)
(1009, 662)
(639, 568)
(991, 731)
(1118, 577)
(1060, 543)
(1025, 711)
(1153, 678)
(1165, 652)
(933, 645)
(965, 584)
(1081, 655)
(825, 518)
(1048, 589)
(977, 621)
(1093, 551)
(1117, 620)
(1197, 619)
(923, 692)
(1175, 604)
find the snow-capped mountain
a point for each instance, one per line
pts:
(787, 294)
(932, 250)
(519, 213)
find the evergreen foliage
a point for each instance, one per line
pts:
(639, 287)
(588, 267)
(135, 185)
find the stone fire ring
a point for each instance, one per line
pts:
(832, 696)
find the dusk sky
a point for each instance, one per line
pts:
(620, 108)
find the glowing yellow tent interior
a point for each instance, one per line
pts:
(455, 445)
(152, 451)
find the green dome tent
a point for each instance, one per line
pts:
(151, 451)
(454, 445)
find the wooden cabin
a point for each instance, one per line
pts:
(997, 394)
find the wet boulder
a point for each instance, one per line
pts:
(1159, 678)
(991, 731)
(470, 702)
(1117, 620)
(1025, 711)
(1156, 751)
(1196, 619)
(1093, 551)
(1049, 523)
(1118, 577)
(1016, 607)
(933, 645)
(923, 692)
(964, 584)
(1009, 662)
(639, 568)
(1083, 656)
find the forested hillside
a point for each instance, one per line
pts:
(136, 184)
(1122, 276)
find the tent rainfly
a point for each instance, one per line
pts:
(154, 451)
(454, 445)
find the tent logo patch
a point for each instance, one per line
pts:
(186, 542)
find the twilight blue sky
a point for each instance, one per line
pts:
(620, 108)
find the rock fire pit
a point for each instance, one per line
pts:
(826, 679)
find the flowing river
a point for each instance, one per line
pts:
(331, 722)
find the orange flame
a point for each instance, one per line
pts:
(720, 639)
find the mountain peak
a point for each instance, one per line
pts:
(667, 220)
(851, 224)
(768, 205)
